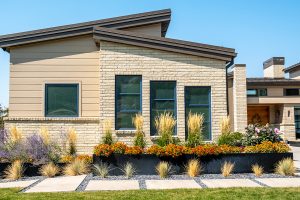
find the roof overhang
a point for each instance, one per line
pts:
(147, 18)
(292, 68)
(166, 44)
(272, 82)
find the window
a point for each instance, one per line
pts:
(61, 100)
(162, 99)
(128, 100)
(197, 100)
(291, 92)
(257, 92)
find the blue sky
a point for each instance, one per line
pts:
(257, 29)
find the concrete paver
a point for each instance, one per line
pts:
(171, 184)
(20, 184)
(112, 185)
(280, 182)
(225, 183)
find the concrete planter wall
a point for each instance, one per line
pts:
(145, 164)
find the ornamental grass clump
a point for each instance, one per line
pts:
(139, 138)
(286, 167)
(165, 125)
(72, 140)
(45, 136)
(102, 169)
(15, 170)
(163, 169)
(257, 170)
(227, 168)
(15, 134)
(107, 129)
(225, 125)
(49, 170)
(76, 167)
(193, 168)
(128, 170)
(195, 126)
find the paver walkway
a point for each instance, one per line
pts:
(225, 183)
(171, 184)
(280, 182)
(113, 185)
(58, 184)
(19, 184)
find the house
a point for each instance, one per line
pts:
(79, 75)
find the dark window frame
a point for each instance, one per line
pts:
(285, 91)
(258, 92)
(126, 111)
(199, 105)
(154, 132)
(60, 85)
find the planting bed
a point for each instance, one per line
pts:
(145, 164)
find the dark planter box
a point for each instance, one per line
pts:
(30, 169)
(145, 164)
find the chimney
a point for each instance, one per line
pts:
(273, 67)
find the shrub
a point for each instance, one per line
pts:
(128, 170)
(139, 138)
(195, 125)
(268, 147)
(227, 168)
(165, 124)
(188, 150)
(76, 167)
(286, 167)
(66, 159)
(15, 170)
(193, 168)
(119, 147)
(256, 134)
(72, 140)
(103, 150)
(232, 139)
(173, 150)
(257, 170)
(156, 150)
(207, 149)
(102, 169)
(49, 170)
(135, 150)
(107, 138)
(86, 158)
(225, 125)
(163, 169)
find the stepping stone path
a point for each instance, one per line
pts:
(58, 184)
(225, 183)
(19, 184)
(280, 182)
(171, 184)
(113, 185)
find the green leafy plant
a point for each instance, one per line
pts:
(72, 140)
(107, 138)
(102, 169)
(139, 138)
(128, 170)
(286, 167)
(165, 124)
(195, 125)
(3, 113)
(232, 139)
(163, 169)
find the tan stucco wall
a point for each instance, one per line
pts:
(294, 74)
(274, 71)
(74, 60)
(152, 29)
(119, 59)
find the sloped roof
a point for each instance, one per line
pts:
(272, 82)
(167, 44)
(292, 67)
(160, 16)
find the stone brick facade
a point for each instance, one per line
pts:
(119, 59)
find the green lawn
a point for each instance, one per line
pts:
(233, 193)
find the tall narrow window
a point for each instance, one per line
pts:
(128, 100)
(197, 100)
(61, 100)
(163, 99)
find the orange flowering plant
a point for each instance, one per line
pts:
(103, 150)
(174, 150)
(135, 150)
(156, 150)
(119, 147)
(86, 158)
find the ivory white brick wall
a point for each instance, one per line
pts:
(186, 70)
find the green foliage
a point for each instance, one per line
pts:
(195, 126)
(232, 139)
(3, 113)
(139, 140)
(107, 138)
(165, 124)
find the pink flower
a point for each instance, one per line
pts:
(257, 130)
(276, 130)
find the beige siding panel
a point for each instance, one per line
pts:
(90, 87)
(46, 55)
(42, 80)
(61, 68)
(37, 87)
(54, 74)
(28, 107)
(22, 113)
(90, 107)
(88, 94)
(68, 62)
(90, 100)
(26, 93)
(93, 113)
(16, 100)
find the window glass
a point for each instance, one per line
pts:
(162, 99)
(61, 100)
(263, 92)
(197, 100)
(291, 92)
(251, 92)
(128, 100)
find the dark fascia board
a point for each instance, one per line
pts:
(292, 68)
(167, 44)
(272, 82)
(160, 16)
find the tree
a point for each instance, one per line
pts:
(3, 113)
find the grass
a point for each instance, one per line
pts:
(227, 168)
(128, 170)
(257, 170)
(102, 169)
(228, 193)
(225, 125)
(49, 170)
(286, 167)
(193, 168)
(163, 169)
(75, 168)
(15, 170)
